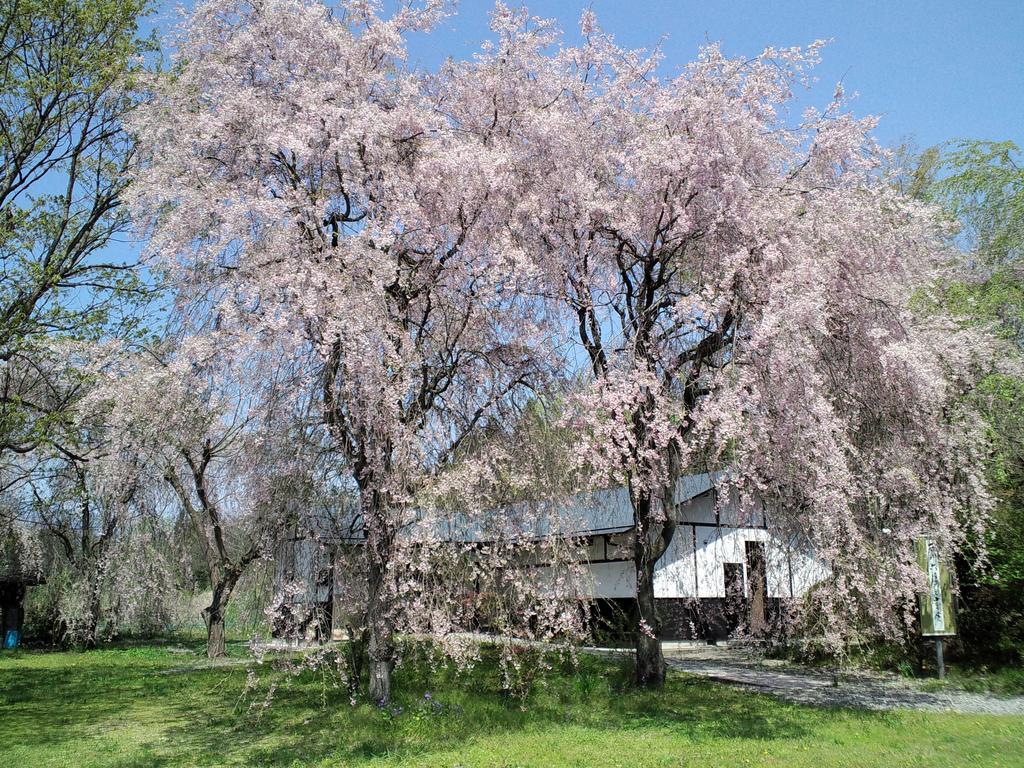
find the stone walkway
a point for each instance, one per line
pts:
(805, 686)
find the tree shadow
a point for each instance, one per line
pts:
(203, 716)
(444, 710)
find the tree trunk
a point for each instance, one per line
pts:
(380, 627)
(655, 526)
(213, 616)
(382, 663)
(650, 663)
(215, 640)
(90, 566)
(381, 646)
(92, 638)
(92, 619)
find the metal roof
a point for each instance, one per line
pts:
(601, 512)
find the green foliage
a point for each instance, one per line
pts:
(64, 91)
(981, 185)
(66, 72)
(166, 706)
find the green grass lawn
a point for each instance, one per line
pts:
(149, 706)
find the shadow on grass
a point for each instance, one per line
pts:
(469, 706)
(205, 717)
(54, 698)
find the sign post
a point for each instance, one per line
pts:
(936, 603)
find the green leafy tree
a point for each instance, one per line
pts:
(981, 184)
(66, 71)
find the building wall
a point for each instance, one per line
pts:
(301, 564)
(706, 539)
(689, 580)
(616, 579)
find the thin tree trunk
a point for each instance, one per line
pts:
(92, 618)
(90, 566)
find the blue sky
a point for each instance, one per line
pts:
(930, 69)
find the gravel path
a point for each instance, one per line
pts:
(805, 686)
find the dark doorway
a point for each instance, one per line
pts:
(758, 581)
(12, 614)
(733, 595)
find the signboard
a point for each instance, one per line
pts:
(936, 603)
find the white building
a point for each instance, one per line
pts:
(721, 571)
